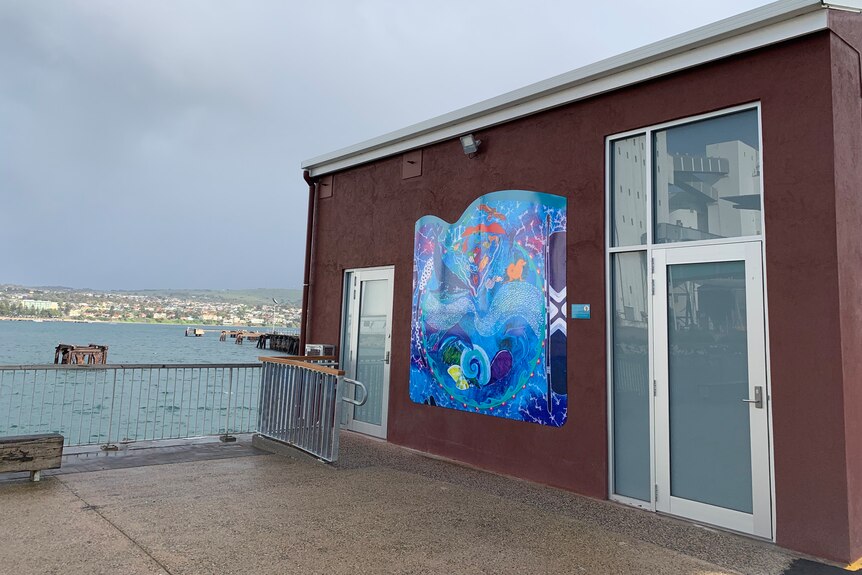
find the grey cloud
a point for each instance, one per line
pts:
(148, 144)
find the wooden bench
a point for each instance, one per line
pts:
(31, 453)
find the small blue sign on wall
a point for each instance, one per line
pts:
(580, 311)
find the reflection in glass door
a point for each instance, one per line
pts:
(686, 332)
(712, 448)
(366, 346)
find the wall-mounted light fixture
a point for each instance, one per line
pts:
(470, 144)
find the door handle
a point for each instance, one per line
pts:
(386, 361)
(758, 398)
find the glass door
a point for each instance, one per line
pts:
(711, 397)
(366, 346)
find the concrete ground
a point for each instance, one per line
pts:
(229, 508)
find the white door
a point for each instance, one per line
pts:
(711, 404)
(366, 346)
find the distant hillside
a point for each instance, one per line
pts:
(252, 297)
(256, 296)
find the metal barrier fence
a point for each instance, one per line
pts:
(300, 403)
(108, 404)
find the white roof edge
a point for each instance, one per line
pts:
(762, 26)
(852, 5)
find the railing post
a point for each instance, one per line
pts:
(227, 437)
(108, 446)
(261, 387)
(336, 425)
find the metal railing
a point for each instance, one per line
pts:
(109, 404)
(300, 403)
(295, 400)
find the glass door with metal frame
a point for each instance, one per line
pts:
(711, 397)
(366, 346)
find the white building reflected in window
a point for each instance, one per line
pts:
(706, 178)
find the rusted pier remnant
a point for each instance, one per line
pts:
(280, 342)
(81, 355)
(243, 335)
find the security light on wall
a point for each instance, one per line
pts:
(470, 144)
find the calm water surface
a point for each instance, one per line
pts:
(133, 404)
(25, 342)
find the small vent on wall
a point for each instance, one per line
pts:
(324, 187)
(411, 164)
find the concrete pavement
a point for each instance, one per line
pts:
(382, 510)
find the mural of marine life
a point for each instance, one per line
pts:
(489, 309)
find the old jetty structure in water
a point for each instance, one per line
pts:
(240, 335)
(279, 342)
(81, 355)
(275, 341)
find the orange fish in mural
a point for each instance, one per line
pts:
(515, 270)
(492, 228)
(492, 213)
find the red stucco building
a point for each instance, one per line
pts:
(713, 191)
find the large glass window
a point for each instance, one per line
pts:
(629, 194)
(631, 390)
(706, 179)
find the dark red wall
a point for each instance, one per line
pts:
(847, 121)
(369, 222)
(804, 325)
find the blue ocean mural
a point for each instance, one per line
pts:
(489, 318)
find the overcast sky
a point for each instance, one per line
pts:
(149, 143)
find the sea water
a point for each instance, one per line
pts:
(28, 342)
(103, 406)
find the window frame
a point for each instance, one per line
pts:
(648, 133)
(650, 246)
